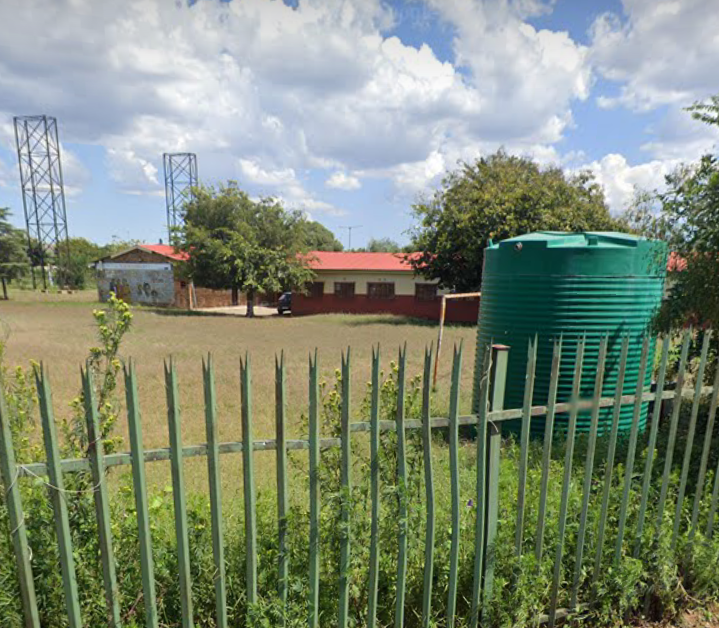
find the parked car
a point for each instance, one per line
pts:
(284, 303)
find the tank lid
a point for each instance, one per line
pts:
(596, 253)
(555, 239)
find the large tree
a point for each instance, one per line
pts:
(498, 197)
(14, 261)
(686, 215)
(248, 246)
(319, 238)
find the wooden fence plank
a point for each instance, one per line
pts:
(56, 488)
(282, 493)
(345, 493)
(429, 490)
(567, 479)
(705, 454)
(609, 467)
(314, 458)
(374, 492)
(651, 446)
(547, 448)
(402, 488)
(16, 517)
(454, 485)
(178, 494)
(669, 454)
(589, 470)
(213, 472)
(96, 454)
(248, 472)
(147, 567)
(690, 437)
(631, 452)
(524, 443)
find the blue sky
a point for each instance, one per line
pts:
(349, 109)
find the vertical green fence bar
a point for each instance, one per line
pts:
(96, 455)
(374, 493)
(483, 376)
(178, 493)
(346, 493)
(713, 507)
(147, 567)
(454, 485)
(705, 454)
(282, 498)
(589, 470)
(690, 436)
(248, 473)
(524, 449)
(547, 448)
(669, 455)
(631, 453)
(16, 517)
(314, 458)
(609, 468)
(651, 447)
(428, 488)
(402, 484)
(567, 479)
(213, 472)
(56, 488)
(497, 383)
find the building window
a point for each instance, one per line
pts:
(425, 291)
(316, 289)
(344, 289)
(380, 290)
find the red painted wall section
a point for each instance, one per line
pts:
(458, 310)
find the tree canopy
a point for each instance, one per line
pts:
(383, 245)
(14, 261)
(320, 238)
(244, 245)
(686, 215)
(496, 197)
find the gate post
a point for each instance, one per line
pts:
(497, 384)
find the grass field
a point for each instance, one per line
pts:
(59, 329)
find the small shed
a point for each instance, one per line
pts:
(152, 274)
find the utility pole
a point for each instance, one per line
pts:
(349, 234)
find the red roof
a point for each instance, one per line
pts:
(675, 262)
(332, 260)
(166, 251)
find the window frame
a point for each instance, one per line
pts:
(371, 286)
(341, 294)
(418, 287)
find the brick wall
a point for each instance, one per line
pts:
(206, 297)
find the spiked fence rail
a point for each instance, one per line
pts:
(488, 460)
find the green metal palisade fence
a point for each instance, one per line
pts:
(491, 384)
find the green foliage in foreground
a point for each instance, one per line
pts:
(670, 576)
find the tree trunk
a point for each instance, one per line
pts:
(250, 304)
(4, 288)
(235, 296)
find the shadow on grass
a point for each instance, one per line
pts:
(191, 313)
(392, 319)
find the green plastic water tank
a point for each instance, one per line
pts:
(571, 284)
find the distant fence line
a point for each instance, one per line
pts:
(488, 451)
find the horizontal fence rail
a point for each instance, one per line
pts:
(617, 477)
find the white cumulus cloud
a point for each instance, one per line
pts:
(342, 181)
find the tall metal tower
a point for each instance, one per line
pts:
(43, 193)
(180, 180)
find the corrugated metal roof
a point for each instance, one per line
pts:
(332, 260)
(166, 251)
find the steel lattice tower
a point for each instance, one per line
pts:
(180, 181)
(43, 193)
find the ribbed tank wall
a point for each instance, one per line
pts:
(523, 297)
